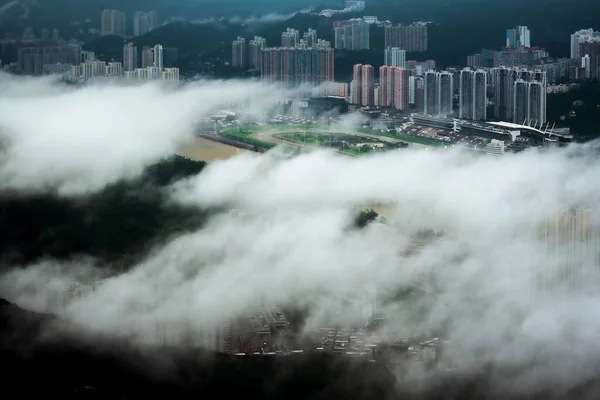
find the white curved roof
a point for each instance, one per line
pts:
(510, 125)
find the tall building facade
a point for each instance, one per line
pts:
(518, 37)
(590, 49)
(393, 87)
(238, 52)
(144, 22)
(356, 95)
(129, 57)
(255, 49)
(158, 57)
(36, 60)
(519, 95)
(570, 241)
(582, 35)
(293, 67)
(439, 93)
(367, 85)
(353, 34)
(472, 95)
(412, 38)
(290, 38)
(147, 57)
(113, 22)
(401, 88)
(395, 57)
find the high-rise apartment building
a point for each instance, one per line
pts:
(32, 60)
(356, 95)
(581, 36)
(368, 85)
(310, 37)
(519, 95)
(393, 87)
(353, 34)
(570, 243)
(55, 35)
(170, 75)
(529, 103)
(439, 93)
(363, 85)
(158, 56)
(129, 57)
(114, 69)
(394, 57)
(113, 22)
(290, 38)
(293, 67)
(255, 49)
(518, 37)
(238, 52)
(412, 38)
(416, 92)
(147, 57)
(472, 95)
(401, 88)
(590, 49)
(144, 22)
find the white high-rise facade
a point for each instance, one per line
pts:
(518, 37)
(581, 36)
(158, 56)
(394, 57)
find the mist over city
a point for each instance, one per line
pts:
(343, 200)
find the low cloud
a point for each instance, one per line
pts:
(502, 292)
(254, 19)
(75, 141)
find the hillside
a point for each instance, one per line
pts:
(117, 224)
(78, 368)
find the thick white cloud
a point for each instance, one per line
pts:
(79, 140)
(293, 246)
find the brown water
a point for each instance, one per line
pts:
(202, 149)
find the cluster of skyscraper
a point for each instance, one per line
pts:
(583, 62)
(519, 95)
(114, 22)
(585, 46)
(291, 38)
(153, 66)
(250, 55)
(292, 67)
(400, 82)
(353, 34)
(38, 60)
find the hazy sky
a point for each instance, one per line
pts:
(292, 246)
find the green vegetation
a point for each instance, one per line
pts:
(243, 135)
(341, 142)
(365, 217)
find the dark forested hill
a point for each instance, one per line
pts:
(120, 222)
